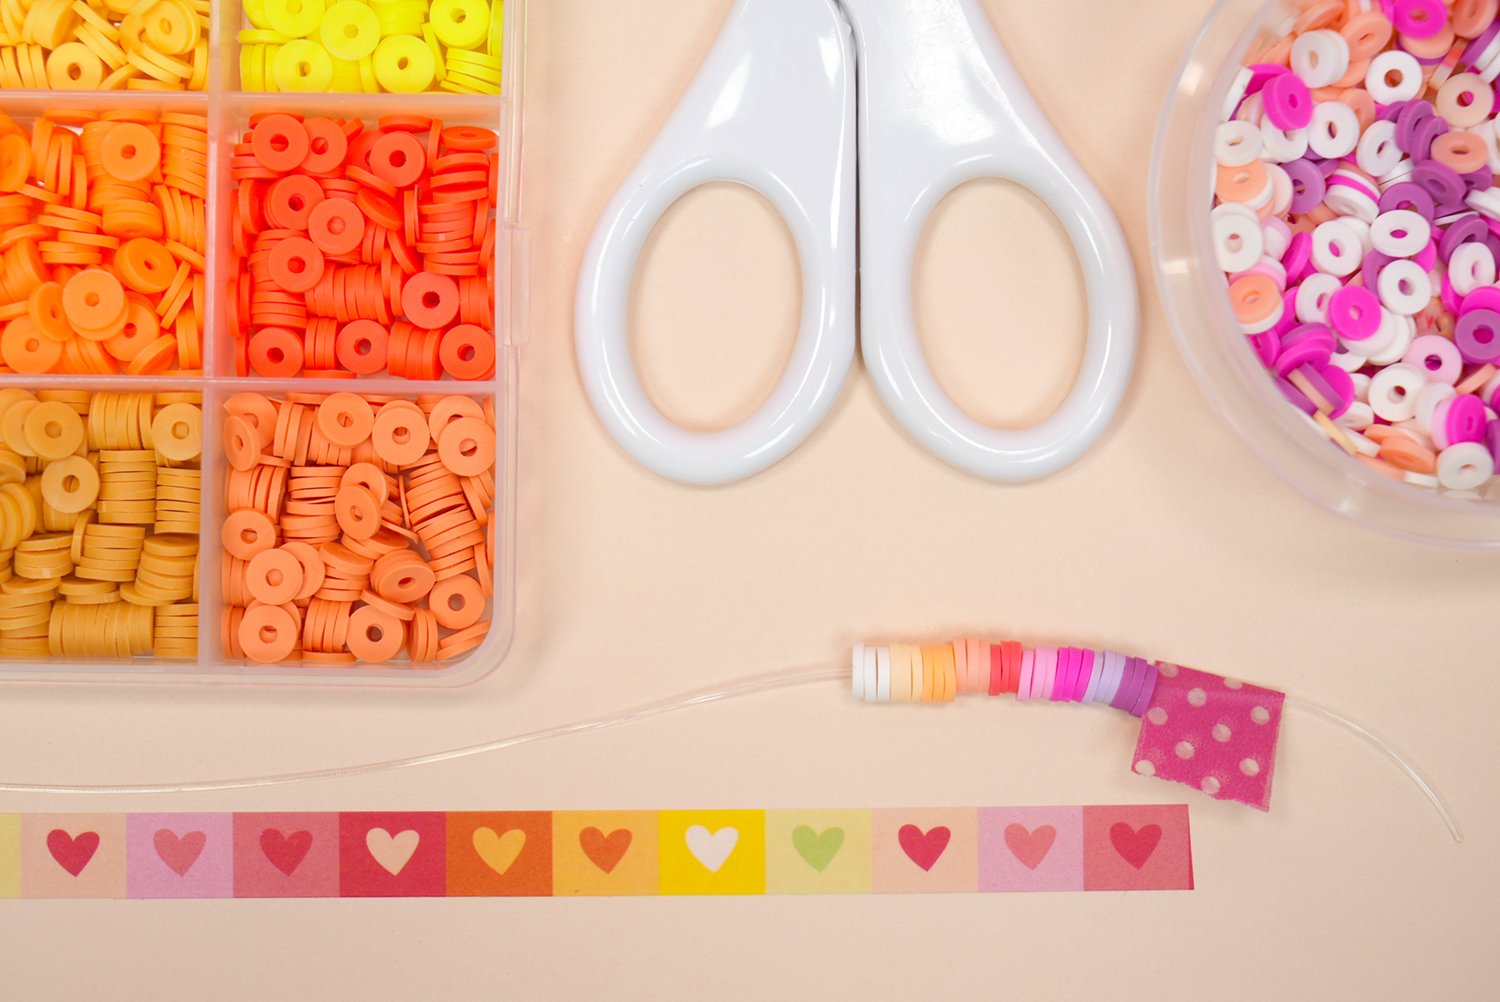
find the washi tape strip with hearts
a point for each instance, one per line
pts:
(570, 853)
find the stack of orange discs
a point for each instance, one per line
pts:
(362, 250)
(102, 242)
(358, 529)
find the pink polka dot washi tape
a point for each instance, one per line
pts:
(1214, 734)
(1356, 221)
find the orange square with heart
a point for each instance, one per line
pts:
(604, 853)
(500, 854)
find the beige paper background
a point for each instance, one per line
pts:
(1169, 539)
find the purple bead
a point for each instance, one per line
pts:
(1314, 333)
(1440, 181)
(1492, 439)
(1412, 114)
(1296, 396)
(1341, 385)
(1424, 135)
(1407, 195)
(1370, 271)
(1477, 335)
(1476, 48)
(1478, 180)
(1308, 185)
(1469, 229)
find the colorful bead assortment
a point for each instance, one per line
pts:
(1215, 734)
(357, 527)
(1358, 224)
(359, 251)
(99, 506)
(904, 673)
(398, 46)
(102, 240)
(109, 45)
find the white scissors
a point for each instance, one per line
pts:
(774, 107)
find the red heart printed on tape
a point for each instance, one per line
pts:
(1030, 847)
(605, 851)
(72, 852)
(179, 852)
(923, 848)
(1135, 845)
(285, 852)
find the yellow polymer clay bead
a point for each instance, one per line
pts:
(404, 64)
(74, 66)
(296, 18)
(349, 30)
(302, 65)
(460, 23)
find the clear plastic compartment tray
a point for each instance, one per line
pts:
(228, 112)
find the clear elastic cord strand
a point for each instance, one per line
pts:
(1391, 752)
(733, 690)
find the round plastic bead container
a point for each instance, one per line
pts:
(1193, 289)
(229, 114)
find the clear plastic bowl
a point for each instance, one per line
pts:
(1193, 290)
(228, 112)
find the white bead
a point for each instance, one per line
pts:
(1362, 445)
(1236, 93)
(1403, 286)
(1361, 229)
(1361, 387)
(1252, 110)
(1416, 479)
(1465, 466)
(1238, 241)
(1378, 153)
(1334, 131)
(1280, 145)
(1432, 394)
(1348, 359)
(1403, 332)
(1236, 143)
(1313, 295)
(1486, 130)
(1471, 266)
(1400, 233)
(859, 671)
(1278, 237)
(1357, 417)
(1490, 70)
(1320, 57)
(1336, 248)
(1394, 76)
(1402, 172)
(1394, 390)
(1281, 190)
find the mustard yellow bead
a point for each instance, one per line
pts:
(74, 66)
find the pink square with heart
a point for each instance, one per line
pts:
(924, 850)
(278, 855)
(1030, 849)
(1137, 847)
(179, 856)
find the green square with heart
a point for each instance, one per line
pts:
(818, 852)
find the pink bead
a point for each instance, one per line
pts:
(1436, 357)
(1288, 103)
(1028, 668)
(1354, 312)
(1211, 733)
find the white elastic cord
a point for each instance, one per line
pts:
(743, 687)
(1391, 752)
(732, 690)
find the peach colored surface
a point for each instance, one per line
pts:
(1169, 539)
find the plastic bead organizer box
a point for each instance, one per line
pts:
(205, 202)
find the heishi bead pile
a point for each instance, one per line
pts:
(1357, 222)
(934, 673)
(398, 46)
(357, 527)
(104, 45)
(364, 250)
(99, 505)
(102, 240)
